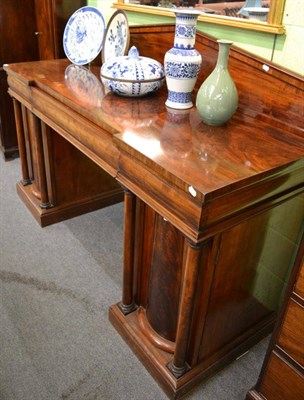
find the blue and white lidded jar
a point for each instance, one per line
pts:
(182, 62)
(132, 75)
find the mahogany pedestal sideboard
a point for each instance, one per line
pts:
(207, 209)
(282, 375)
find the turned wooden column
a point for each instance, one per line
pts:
(21, 143)
(178, 365)
(35, 128)
(128, 304)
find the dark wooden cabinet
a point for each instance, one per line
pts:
(18, 43)
(282, 375)
(29, 30)
(212, 214)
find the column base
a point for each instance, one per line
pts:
(178, 372)
(127, 309)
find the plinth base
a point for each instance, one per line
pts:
(157, 360)
(65, 211)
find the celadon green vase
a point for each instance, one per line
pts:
(217, 98)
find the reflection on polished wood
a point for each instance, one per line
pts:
(200, 204)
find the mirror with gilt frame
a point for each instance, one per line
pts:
(232, 13)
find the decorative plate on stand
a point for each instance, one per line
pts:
(117, 37)
(83, 35)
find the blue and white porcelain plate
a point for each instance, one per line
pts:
(83, 35)
(117, 37)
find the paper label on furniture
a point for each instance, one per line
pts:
(192, 191)
(266, 67)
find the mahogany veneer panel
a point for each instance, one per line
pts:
(232, 304)
(165, 277)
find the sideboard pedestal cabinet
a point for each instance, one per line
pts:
(59, 181)
(212, 214)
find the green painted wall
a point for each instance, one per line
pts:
(289, 48)
(104, 6)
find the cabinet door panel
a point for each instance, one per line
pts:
(17, 31)
(53, 16)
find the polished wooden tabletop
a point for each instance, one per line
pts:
(210, 159)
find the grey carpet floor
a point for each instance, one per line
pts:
(56, 285)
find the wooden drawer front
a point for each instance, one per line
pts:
(300, 282)
(281, 381)
(291, 338)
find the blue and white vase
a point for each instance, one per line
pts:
(182, 62)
